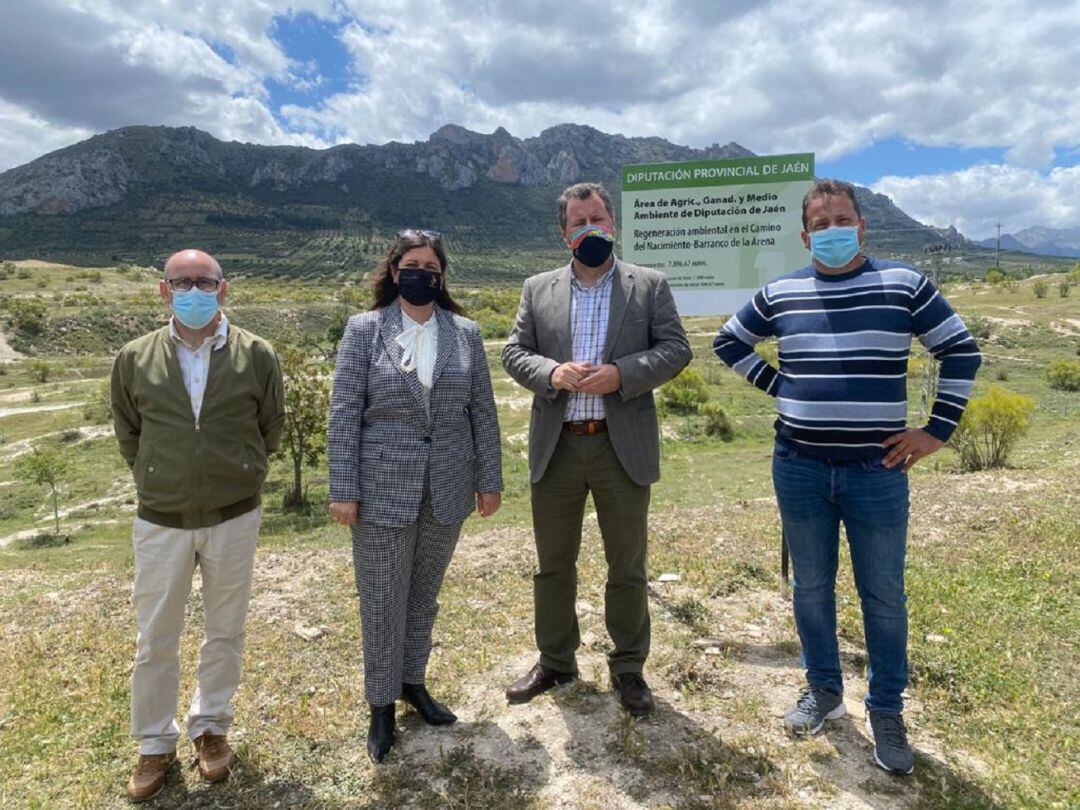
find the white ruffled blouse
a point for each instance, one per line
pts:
(420, 345)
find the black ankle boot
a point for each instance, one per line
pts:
(380, 736)
(433, 712)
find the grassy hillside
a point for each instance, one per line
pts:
(992, 564)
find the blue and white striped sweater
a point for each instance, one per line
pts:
(841, 389)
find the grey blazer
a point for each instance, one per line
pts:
(381, 438)
(645, 339)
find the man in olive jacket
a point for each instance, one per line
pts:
(198, 407)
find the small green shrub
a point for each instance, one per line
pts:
(98, 408)
(1064, 375)
(979, 327)
(23, 273)
(717, 422)
(686, 393)
(994, 275)
(690, 611)
(493, 324)
(1064, 288)
(990, 428)
(27, 315)
(1040, 288)
(40, 370)
(44, 467)
(769, 351)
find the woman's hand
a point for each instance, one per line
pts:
(487, 503)
(344, 512)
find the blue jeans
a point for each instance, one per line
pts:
(815, 495)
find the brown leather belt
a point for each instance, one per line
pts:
(587, 427)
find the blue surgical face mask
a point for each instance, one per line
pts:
(836, 246)
(194, 308)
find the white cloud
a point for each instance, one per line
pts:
(976, 199)
(26, 136)
(775, 76)
(69, 69)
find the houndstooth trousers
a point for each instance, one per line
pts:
(399, 572)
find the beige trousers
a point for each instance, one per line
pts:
(165, 561)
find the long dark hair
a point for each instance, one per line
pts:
(386, 291)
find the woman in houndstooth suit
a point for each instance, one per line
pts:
(414, 449)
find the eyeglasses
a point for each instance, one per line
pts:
(185, 284)
(412, 233)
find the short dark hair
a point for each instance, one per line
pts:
(829, 188)
(582, 191)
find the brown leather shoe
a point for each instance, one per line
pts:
(535, 682)
(634, 693)
(216, 758)
(149, 776)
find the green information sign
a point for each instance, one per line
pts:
(719, 229)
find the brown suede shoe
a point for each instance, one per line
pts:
(216, 758)
(536, 681)
(634, 693)
(149, 776)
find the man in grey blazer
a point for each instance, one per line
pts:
(592, 340)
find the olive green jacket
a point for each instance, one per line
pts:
(192, 474)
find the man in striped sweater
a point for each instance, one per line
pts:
(844, 325)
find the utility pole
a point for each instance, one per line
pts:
(997, 253)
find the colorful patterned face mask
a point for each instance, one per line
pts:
(592, 244)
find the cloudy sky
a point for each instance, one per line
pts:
(965, 113)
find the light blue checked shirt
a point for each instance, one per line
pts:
(589, 311)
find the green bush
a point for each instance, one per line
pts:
(493, 324)
(98, 409)
(979, 327)
(1063, 289)
(686, 393)
(769, 351)
(40, 370)
(27, 315)
(1040, 288)
(717, 422)
(1064, 375)
(990, 428)
(994, 276)
(23, 273)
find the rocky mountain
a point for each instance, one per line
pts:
(137, 193)
(1040, 240)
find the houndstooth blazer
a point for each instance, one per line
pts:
(381, 437)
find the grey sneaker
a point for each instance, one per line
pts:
(891, 749)
(813, 708)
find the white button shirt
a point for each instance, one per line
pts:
(195, 363)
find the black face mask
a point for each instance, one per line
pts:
(593, 251)
(419, 287)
